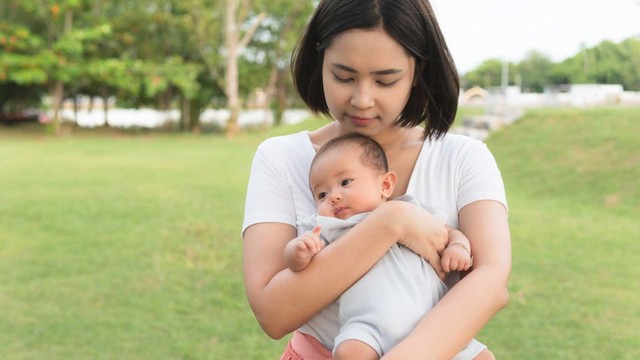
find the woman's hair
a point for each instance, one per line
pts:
(412, 23)
(372, 155)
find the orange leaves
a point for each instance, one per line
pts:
(55, 10)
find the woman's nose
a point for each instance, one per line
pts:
(362, 97)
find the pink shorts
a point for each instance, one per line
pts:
(305, 347)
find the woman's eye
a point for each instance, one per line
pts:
(387, 84)
(342, 80)
(346, 182)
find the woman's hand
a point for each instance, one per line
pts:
(468, 305)
(422, 232)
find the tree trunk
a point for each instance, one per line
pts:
(75, 108)
(282, 97)
(57, 95)
(231, 75)
(271, 89)
(194, 115)
(58, 88)
(185, 118)
(105, 107)
(234, 45)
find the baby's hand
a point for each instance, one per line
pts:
(308, 244)
(456, 257)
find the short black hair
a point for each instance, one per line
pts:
(372, 156)
(412, 23)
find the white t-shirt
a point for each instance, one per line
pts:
(449, 174)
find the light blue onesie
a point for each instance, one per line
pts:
(384, 306)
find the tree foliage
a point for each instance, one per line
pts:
(605, 63)
(487, 74)
(176, 54)
(533, 72)
(161, 53)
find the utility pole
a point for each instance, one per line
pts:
(505, 76)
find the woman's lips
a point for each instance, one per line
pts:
(360, 121)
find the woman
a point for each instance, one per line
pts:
(379, 68)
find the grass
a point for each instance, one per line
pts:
(573, 181)
(126, 246)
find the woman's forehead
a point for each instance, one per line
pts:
(371, 50)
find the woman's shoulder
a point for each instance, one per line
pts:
(453, 145)
(284, 141)
(457, 140)
(291, 144)
(288, 153)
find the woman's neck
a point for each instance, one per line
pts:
(399, 138)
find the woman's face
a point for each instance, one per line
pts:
(367, 78)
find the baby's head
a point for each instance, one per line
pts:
(350, 175)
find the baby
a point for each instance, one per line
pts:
(349, 177)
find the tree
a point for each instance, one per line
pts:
(534, 71)
(153, 39)
(235, 42)
(22, 76)
(157, 52)
(273, 43)
(605, 63)
(486, 75)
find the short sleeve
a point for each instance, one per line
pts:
(480, 178)
(269, 197)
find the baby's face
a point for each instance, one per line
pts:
(343, 186)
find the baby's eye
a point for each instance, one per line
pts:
(322, 195)
(346, 182)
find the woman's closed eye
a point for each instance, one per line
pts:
(347, 80)
(386, 84)
(342, 80)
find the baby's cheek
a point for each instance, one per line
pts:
(324, 211)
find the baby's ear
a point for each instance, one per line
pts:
(388, 182)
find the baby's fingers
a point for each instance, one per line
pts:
(445, 264)
(456, 265)
(467, 265)
(313, 242)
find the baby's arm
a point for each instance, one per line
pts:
(457, 255)
(299, 251)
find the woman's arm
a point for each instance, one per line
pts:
(469, 305)
(283, 300)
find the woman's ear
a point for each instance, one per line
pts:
(388, 183)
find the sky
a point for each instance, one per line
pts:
(478, 30)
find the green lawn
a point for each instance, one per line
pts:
(120, 246)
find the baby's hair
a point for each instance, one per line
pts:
(372, 156)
